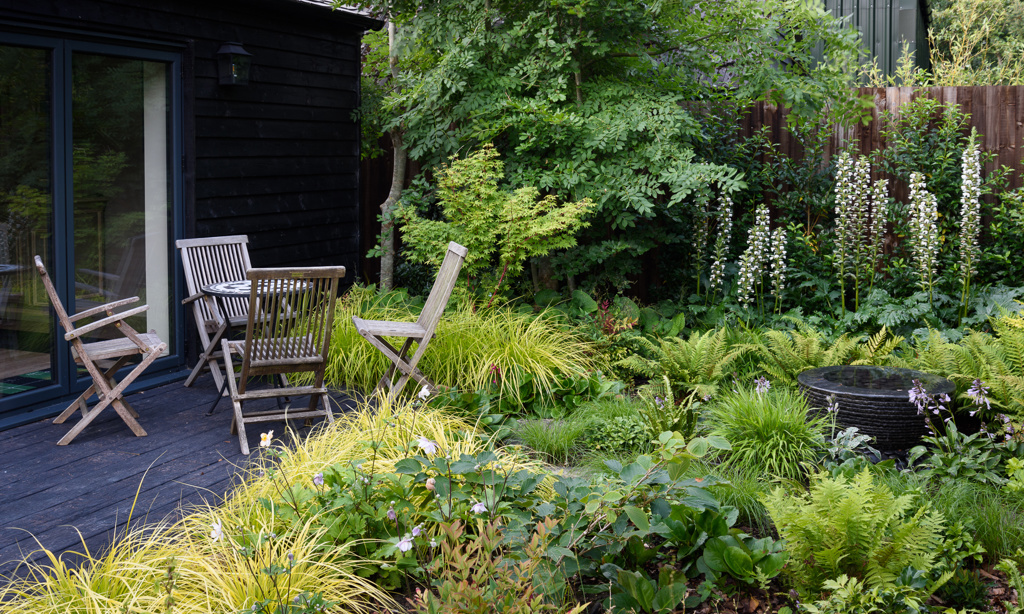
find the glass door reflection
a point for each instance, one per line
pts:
(26, 218)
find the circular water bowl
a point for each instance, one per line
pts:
(874, 399)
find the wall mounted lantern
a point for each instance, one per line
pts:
(233, 64)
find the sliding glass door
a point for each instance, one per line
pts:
(87, 140)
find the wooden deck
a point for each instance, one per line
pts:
(50, 493)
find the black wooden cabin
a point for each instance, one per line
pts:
(121, 131)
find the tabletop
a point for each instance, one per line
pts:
(229, 289)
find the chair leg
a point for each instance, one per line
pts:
(80, 402)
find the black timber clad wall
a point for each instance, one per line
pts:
(277, 160)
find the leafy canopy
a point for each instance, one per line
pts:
(590, 99)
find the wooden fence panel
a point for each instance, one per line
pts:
(996, 111)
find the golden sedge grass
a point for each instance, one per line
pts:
(218, 576)
(122, 579)
(467, 344)
(392, 429)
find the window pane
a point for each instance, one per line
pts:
(122, 196)
(26, 218)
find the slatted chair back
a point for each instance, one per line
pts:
(441, 291)
(212, 260)
(207, 261)
(291, 314)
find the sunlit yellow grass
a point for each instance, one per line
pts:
(211, 576)
(468, 342)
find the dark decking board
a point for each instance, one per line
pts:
(62, 495)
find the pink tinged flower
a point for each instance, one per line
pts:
(479, 508)
(266, 438)
(218, 531)
(428, 447)
(405, 544)
(433, 543)
(416, 530)
(391, 512)
(430, 483)
(318, 479)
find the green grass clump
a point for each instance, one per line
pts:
(556, 441)
(467, 346)
(994, 516)
(771, 433)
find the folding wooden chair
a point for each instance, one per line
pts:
(288, 331)
(419, 331)
(208, 261)
(107, 390)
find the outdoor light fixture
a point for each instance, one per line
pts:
(233, 64)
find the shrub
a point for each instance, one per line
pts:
(769, 431)
(856, 527)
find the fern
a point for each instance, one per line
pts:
(784, 355)
(997, 360)
(855, 527)
(695, 365)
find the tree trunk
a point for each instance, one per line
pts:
(387, 210)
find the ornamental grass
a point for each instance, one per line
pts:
(215, 558)
(468, 345)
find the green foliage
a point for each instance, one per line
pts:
(847, 595)
(595, 105)
(996, 359)
(500, 229)
(1011, 568)
(976, 42)
(695, 365)
(749, 560)
(619, 434)
(633, 591)
(472, 579)
(966, 588)
(469, 348)
(953, 455)
(771, 431)
(856, 527)
(785, 354)
(556, 440)
(662, 412)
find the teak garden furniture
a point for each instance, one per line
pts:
(288, 331)
(420, 331)
(208, 261)
(128, 344)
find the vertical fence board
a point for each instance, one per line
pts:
(996, 111)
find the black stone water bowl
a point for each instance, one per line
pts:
(876, 400)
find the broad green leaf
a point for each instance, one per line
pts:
(638, 517)
(739, 563)
(408, 466)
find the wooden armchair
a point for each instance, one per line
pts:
(207, 261)
(288, 332)
(420, 331)
(107, 390)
